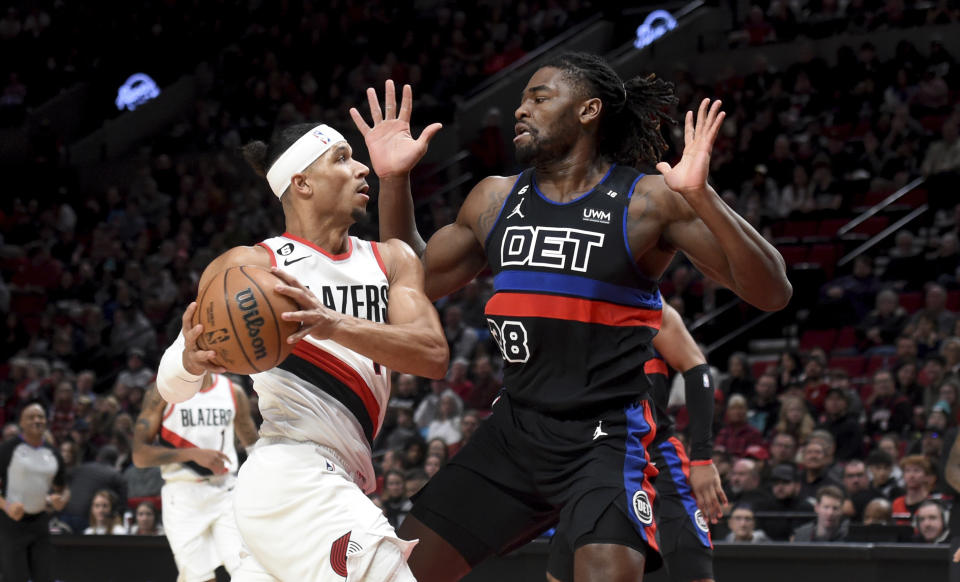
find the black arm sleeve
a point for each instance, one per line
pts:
(699, 385)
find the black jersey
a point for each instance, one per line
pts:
(571, 311)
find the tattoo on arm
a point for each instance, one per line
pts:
(489, 215)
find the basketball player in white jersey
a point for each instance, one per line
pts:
(193, 444)
(300, 499)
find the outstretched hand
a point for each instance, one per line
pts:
(689, 176)
(393, 151)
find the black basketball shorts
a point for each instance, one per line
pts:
(523, 472)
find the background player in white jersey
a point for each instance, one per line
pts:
(194, 444)
(300, 502)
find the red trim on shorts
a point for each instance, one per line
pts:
(655, 366)
(343, 372)
(175, 439)
(650, 472)
(682, 453)
(273, 255)
(376, 252)
(340, 257)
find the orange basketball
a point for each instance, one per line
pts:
(240, 313)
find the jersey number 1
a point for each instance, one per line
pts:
(511, 338)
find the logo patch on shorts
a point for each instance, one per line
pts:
(701, 523)
(339, 551)
(642, 508)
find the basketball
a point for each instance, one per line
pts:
(240, 313)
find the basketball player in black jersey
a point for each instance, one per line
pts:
(576, 244)
(685, 542)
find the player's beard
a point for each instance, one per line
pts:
(539, 150)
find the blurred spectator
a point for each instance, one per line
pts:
(396, 505)
(830, 525)
(814, 382)
(433, 464)
(457, 378)
(742, 526)
(765, 406)
(429, 407)
(847, 299)
(843, 425)
(738, 379)
(744, 485)
(403, 429)
(795, 419)
(887, 409)
(815, 464)
(148, 521)
(935, 307)
(788, 370)
(783, 449)
(88, 479)
(104, 518)
(785, 487)
(414, 480)
(486, 385)
(446, 425)
(930, 522)
(461, 339)
(135, 376)
(63, 414)
(856, 484)
(736, 435)
(904, 267)
(878, 512)
(883, 324)
(917, 475)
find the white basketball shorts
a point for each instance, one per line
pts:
(199, 522)
(303, 519)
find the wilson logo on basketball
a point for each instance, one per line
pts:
(251, 318)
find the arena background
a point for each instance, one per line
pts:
(108, 216)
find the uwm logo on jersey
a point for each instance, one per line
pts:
(364, 301)
(555, 248)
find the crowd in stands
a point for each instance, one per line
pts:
(93, 281)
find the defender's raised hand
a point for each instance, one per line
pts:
(689, 176)
(393, 151)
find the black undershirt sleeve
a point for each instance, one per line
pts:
(698, 388)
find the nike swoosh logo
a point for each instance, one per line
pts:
(288, 262)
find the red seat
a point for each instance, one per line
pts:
(846, 338)
(793, 254)
(912, 301)
(760, 366)
(829, 227)
(953, 300)
(824, 255)
(875, 197)
(854, 365)
(914, 198)
(823, 338)
(872, 225)
(801, 228)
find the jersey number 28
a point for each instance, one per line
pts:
(511, 338)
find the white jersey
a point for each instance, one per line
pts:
(205, 422)
(323, 392)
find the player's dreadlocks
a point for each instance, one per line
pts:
(630, 126)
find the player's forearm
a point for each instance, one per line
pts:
(397, 219)
(757, 269)
(174, 383)
(145, 455)
(699, 386)
(409, 348)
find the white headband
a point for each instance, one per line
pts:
(301, 154)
